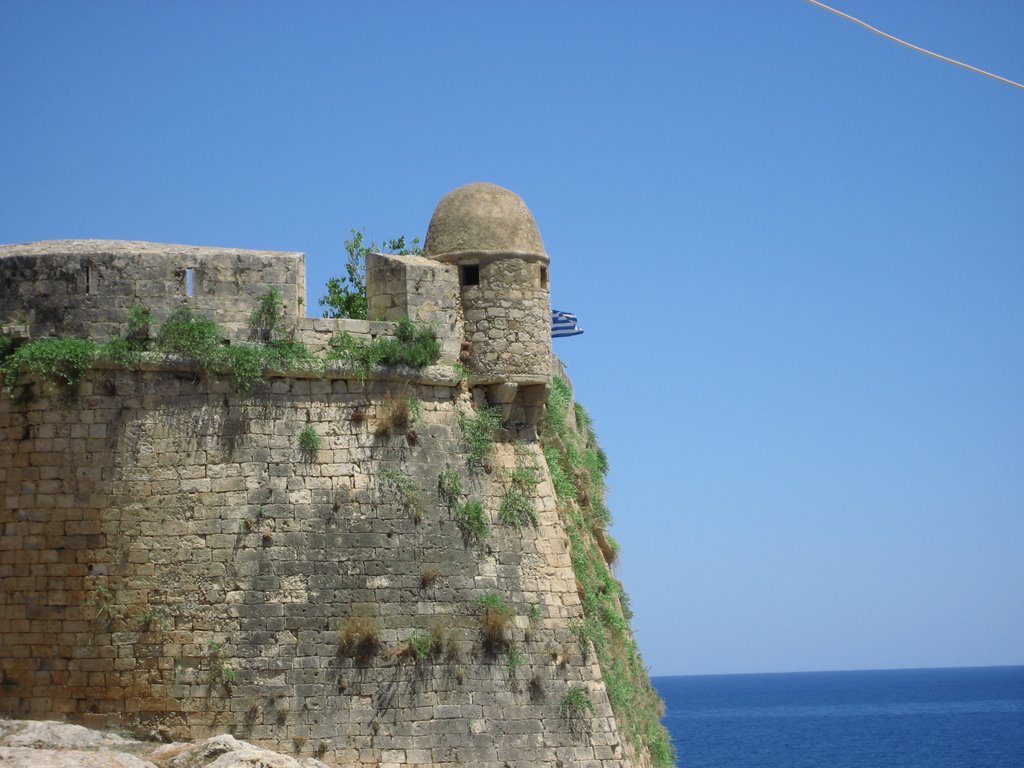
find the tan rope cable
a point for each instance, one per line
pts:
(916, 48)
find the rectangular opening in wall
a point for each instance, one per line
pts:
(190, 288)
(543, 277)
(88, 280)
(469, 274)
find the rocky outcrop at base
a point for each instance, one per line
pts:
(49, 744)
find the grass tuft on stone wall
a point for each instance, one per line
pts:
(479, 431)
(359, 638)
(495, 621)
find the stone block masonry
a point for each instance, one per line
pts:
(170, 557)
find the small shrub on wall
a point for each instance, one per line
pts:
(309, 443)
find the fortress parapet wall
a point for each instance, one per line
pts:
(482, 283)
(86, 288)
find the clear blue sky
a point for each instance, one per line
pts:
(797, 250)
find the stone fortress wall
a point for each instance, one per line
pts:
(171, 559)
(86, 288)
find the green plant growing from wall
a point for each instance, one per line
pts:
(139, 328)
(588, 633)
(153, 617)
(103, 601)
(414, 345)
(576, 709)
(266, 323)
(361, 356)
(346, 297)
(419, 646)
(411, 497)
(576, 701)
(309, 443)
(449, 486)
(289, 355)
(479, 431)
(187, 334)
(60, 363)
(517, 509)
(561, 476)
(514, 660)
(517, 505)
(198, 338)
(471, 518)
(191, 335)
(218, 671)
(126, 351)
(244, 364)
(559, 400)
(415, 408)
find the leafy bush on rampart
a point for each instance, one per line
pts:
(346, 297)
(413, 345)
(61, 363)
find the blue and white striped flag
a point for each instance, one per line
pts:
(563, 324)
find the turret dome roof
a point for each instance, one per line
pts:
(480, 220)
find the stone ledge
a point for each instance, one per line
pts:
(434, 375)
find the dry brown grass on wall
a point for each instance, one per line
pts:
(394, 415)
(495, 618)
(359, 637)
(608, 549)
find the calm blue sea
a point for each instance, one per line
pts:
(913, 718)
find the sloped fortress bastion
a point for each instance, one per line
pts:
(292, 564)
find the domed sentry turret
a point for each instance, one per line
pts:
(490, 234)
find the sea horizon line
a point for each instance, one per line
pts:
(655, 676)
